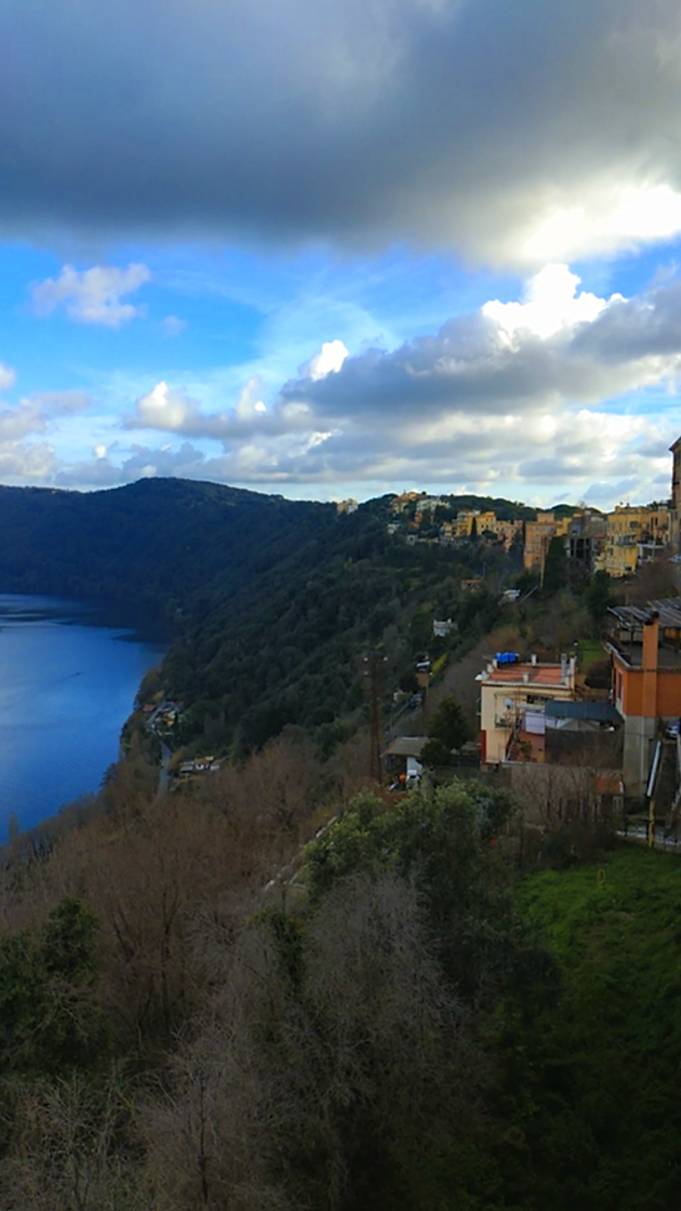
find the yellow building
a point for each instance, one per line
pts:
(401, 502)
(464, 523)
(538, 535)
(506, 530)
(628, 526)
(483, 520)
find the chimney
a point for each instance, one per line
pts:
(651, 640)
(534, 658)
(526, 678)
(563, 666)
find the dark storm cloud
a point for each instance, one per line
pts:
(463, 122)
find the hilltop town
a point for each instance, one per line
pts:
(618, 542)
(594, 728)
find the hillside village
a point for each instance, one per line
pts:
(592, 728)
(618, 542)
(562, 740)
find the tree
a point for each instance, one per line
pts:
(435, 753)
(448, 725)
(48, 1017)
(598, 596)
(555, 568)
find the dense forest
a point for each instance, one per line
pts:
(279, 992)
(270, 602)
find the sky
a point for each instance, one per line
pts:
(333, 248)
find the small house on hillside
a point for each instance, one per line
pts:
(402, 758)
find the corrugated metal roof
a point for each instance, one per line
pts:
(406, 746)
(597, 712)
(668, 609)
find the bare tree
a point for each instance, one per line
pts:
(68, 1151)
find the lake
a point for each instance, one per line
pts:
(68, 679)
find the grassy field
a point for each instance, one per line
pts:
(601, 1107)
(588, 652)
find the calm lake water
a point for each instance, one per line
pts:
(68, 678)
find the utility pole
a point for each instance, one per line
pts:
(374, 663)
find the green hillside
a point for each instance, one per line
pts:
(595, 1078)
(270, 602)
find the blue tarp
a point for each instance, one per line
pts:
(507, 657)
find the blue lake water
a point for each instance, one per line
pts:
(68, 678)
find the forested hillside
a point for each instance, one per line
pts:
(198, 1011)
(165, 543)
(270, 602)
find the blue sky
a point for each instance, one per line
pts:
(332, 251)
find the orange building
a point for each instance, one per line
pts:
(645, 646)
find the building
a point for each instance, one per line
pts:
(585, 537)
(428, 504)
(538, 535)
(675, 512)
(399, 503)
(506, 531)
(630, 527)
(512, 701)
(402, 758)
(645, 648)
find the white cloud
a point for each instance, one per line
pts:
(606, 221)
(512, 394)
(533, 398)
(551, 305)
(328, 361)
(7, 377)
(249, 403)
(92, 296)
(164, 408)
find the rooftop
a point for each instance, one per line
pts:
(406, 746)
(632, 617)
(556, 675)
(632, 654)
(598, 712)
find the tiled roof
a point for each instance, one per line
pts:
(537, 674)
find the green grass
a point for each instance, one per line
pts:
(604, 1123)
(588, 652)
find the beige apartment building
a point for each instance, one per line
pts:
(512, 702)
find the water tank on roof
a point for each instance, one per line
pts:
(507, 657)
